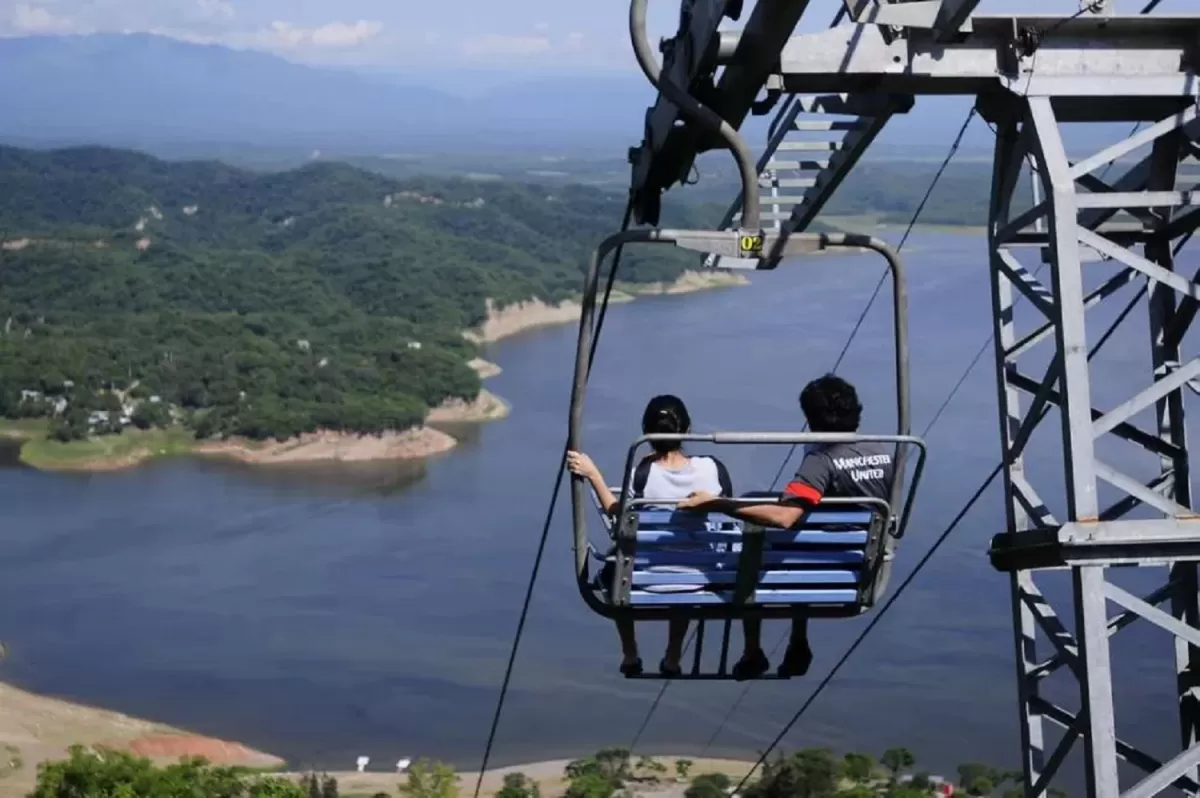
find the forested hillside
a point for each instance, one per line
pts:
(267, 304)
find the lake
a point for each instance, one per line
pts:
(324, 612)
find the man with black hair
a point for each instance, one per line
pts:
(830, 404)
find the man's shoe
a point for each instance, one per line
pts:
(796, 661)
(751, 665)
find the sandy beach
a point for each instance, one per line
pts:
(326, 445)
(513, 319)
(331, 445)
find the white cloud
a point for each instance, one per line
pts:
(181, 35)
(521, 45)
(334, 35)
(31, 19)
(216, 9)
(498, 44)
(339, 34)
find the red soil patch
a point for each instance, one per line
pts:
(174, 746)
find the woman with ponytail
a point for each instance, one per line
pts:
(667, 474)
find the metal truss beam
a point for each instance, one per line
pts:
(1148, 60)
(1073, 224)
(1079, 57)
(946, 16)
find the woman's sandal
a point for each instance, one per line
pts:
(632, 668)
(668, 671)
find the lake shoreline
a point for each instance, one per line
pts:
(37, 728)
(532, 314)
(133, 447)
(550, 776)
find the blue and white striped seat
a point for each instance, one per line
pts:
(684, 558)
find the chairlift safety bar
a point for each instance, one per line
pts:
(776, 438)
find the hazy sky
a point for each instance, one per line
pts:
(579, 35)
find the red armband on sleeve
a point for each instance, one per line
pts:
(802, 491)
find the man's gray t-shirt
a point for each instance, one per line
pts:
(843, 470)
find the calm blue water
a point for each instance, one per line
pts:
(322, 613)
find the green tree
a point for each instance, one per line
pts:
(150, 414)
(808, 773)
(709, 785)
(518, 785)
(118, 774)
(682, 768)
(969, 772)
(905, 791)
(430, 779)
(206, 425)
(591, 785)
(329, 787)
(578, 767)
(981, 786)
(856, 791)
(650, 768)
(64, 431)
(897, 760)
(613, 763)
(313, 785)
(268, 788)
(1000, 778)
(858, 767)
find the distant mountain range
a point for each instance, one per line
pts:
(148, 90)
(179, 99)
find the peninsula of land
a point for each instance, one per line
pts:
(152, 308)
(133, 446)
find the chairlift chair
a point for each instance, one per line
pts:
(680, 564)
(671, 564)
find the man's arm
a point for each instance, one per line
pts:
(768, 515)
(775, 515)
(800, 495)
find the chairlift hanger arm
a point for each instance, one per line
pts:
(669, 150)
